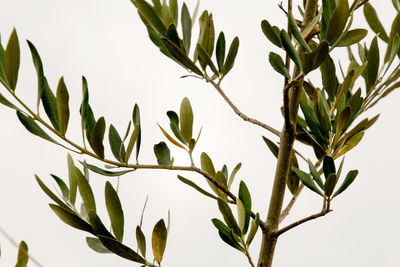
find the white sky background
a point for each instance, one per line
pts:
(106, 42)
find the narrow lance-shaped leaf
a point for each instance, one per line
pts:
(63, 187)
(3, 76)
(296, 32)
(287, 45)
(104, 172)
(186, 119)
(121, 250)
(312, 60)
(373, 63)
(73, 183)
(307, 181)
(85, 191)
(374, 22)
(270, 33)
(96, 140)
(62, 106)
(338, 21)
(97, 225)
(220, 51)
(206, 60)
(162, 153)
(231, 56)
(352, 37)
(245, 197)
(159, 240)
(39, 70)
(186, 28)
(7, 103)
(253, 229)
(23, 256)
(224, 233)
(174, 124)
(132, 142)
(148, 12)
(33, 128)
(233, 174)
(170, 138)
(330, 184)
(115, 211)
(328, 166)
(116, 144)
(50, 194)
(315, 175)
(11, 60)
(49, 102)
(393, 32)
(136, 121)
(141, 240)
(195, 186)
(277, 63)
(71, 219)
(350, 177)
(228, 216)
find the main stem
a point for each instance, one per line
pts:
(287, 138)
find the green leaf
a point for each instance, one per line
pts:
(116, 144)
(307, 181)
(104, 172)
(228, 216)
(207, 33)
(220, 51)
(270, 33)
(63, 187)
(337, 22)
(121, 250)
(186, 119)
(330, 184)
(396, 4)
(174, 124)
(96, 140)
(73, 183)
(39, 70)
(312, 60)
(23, 256)
(186, 28)
(141, 241)
(71, 219)
(233, 174)
(224, 233)
(85, 191)
(97, 225)
(205, 59)
(170, 138)
(373, 63)
(3, 76)
(328, 166)
(220, 178)
(33, 128)
(272, 146)
(329, 79)
(148, 12)
(172, 35)
(62, 106)
(181, 56)
(394, 51)
(350, 177)
(96, 245)
(50, 104)
(7, 103)
(11, 60)
(162, 153)
(393, 32)
(87, 117)
(277, 63)
(195, 186)
(245, 197)
(173, 8)
(241, 215)
(206, 164)
(315, 175)
(342, 121)
(328, 6)
(353, 36)
(159, 240)
(253, 229)
(115, 211)
(296, 32)
(231, 56)
(374, 22)
(350, 144)
(132, 142)
(287, 45)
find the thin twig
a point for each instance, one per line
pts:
(15, 244)
(289, 206)
(238, 112)
(299, 222)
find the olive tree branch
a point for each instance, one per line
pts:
(306, 219)
(237, 111)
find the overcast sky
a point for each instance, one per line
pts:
(106, 42)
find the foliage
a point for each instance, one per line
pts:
(331, 121)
